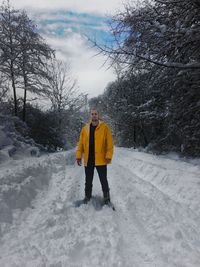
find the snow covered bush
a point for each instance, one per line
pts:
(14, 140)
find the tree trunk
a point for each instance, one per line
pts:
(134, 136)
(25, 95)
(144, 135)
(14, 90)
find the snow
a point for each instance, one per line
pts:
(156, 222)
(13, 145)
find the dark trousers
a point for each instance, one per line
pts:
(89, 173)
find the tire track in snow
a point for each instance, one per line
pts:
(55, 233)
(163, 221)
(175, 178)
(136, 245)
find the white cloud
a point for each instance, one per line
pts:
(92, 76)
(88, 6)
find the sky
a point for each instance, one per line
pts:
(65, 24)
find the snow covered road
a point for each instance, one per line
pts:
(156, 222)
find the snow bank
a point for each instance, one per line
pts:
(23, 170)
(14, 140)
(178, 179)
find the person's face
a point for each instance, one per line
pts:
(94, 115)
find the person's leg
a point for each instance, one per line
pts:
(89, 173)
(102, 172)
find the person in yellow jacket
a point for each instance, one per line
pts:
(96, 143)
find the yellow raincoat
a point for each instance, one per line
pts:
(103, 143)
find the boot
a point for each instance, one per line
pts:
(106, 196)
(86, 200)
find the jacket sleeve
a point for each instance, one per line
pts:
(109, 144)
(79, 150)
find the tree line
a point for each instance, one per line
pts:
(155, 100)
(30, 73)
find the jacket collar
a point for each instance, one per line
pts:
(88, 124)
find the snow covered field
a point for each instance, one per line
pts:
(156, 222)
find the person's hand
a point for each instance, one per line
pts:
(108, 161)
(78, 162)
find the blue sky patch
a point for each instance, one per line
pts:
(62, 22)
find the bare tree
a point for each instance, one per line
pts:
(33, 58)
(62, 88)
(23, 53)
(9, 46)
